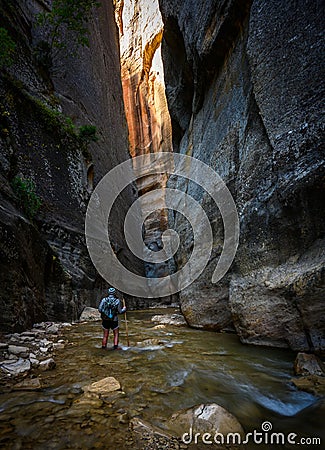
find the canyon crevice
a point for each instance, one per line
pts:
(244, 93)
(235, 84)
(149, 126)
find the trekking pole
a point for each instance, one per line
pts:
(126, 325)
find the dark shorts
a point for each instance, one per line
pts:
(109, 324)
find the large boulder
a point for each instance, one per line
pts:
(170, 319)
(314, 384)
(209, 423)
(308, 364)
(205, 418)
(89, 314)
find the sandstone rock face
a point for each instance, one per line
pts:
(46, 272)
(244, 94)
(147, 115)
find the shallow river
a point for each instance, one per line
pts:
(189, 367)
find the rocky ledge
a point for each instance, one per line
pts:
(24, 355)
(310, 374)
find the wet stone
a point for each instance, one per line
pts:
(313, 384)
(103, 387)
(89, 314)
(19, 350)
(47, 364)
(17, 367)
(170, 319)
(308, 364)
(53, 329)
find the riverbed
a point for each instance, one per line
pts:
(177, 368)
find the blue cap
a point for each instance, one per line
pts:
(111, 290)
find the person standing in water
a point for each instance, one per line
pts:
(109, 309)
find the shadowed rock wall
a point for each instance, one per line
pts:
(244, 90)
(46, 272)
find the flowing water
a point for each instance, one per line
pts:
(182, 368)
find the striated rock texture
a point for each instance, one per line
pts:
(46, 272)
(244, 90)
(141, 30)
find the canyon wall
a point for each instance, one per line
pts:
(141, 29)
(244, 90)
(46, 272)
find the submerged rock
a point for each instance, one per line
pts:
(151, 342)
(102, 387)
(18, 350)
(147, 436)
(314, 384)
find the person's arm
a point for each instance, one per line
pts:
(101, 305)
(120, 309)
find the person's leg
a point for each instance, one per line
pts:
(116, 333)
(105, 338)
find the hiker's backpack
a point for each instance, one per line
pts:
(109, 307)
